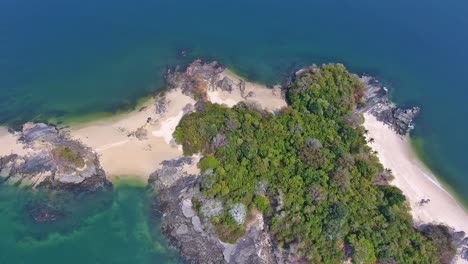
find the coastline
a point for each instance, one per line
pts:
(415, 180)
(135, 143)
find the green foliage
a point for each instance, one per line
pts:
(69, 155)
(208, 162)
(227, 228)
(261, 203)
(441, 237)
(319, 170)
(363, 251)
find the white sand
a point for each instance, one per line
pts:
(414, 179)
(9, 144)
(123, 156)
(267, 98)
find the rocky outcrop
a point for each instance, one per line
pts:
(175, 189)
(195, 237)
(199, 77)
(379, 105)
(196, 78)
(53, 160)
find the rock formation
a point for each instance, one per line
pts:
(53, 161)
(195, 237)
(379, 105)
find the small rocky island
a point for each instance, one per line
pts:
(297, 184)
(52, 160)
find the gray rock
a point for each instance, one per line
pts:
(196, 79)
(55, 161)
(195, 237)
(379, 105)
(225, 84)
(465, 241)
(458, 238)
(464, 253)
(182, 230)
(197, 226)
(187, 208)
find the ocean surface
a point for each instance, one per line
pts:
(65, 59)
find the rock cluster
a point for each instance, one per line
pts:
(379, 105)
(53, 160)
(200, 76)
(196, 78)
(195, 237)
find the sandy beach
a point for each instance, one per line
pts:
(414, 179)
(134, 144)
(122, 153)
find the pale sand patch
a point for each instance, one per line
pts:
(9, 143)
(414, 179)
(122, 155)
(267, 98)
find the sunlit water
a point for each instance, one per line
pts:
(62, 59)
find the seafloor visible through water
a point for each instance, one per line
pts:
(61, 60)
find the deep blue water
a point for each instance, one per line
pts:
(67, 58)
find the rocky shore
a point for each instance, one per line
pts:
(54, 160)
(51, 161)
(379, 105)
(195, 238)
(178, 191)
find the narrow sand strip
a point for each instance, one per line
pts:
(414, 179)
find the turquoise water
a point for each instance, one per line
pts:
(67, 58)
(114, 227)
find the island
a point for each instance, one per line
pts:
(318, 170)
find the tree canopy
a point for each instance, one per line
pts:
(308, 171)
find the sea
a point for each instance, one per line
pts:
(82, 59)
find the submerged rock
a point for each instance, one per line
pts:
(44, 213)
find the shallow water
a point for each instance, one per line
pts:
(60, 59)
(113, 227)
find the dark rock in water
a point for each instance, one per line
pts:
(53, 161)
(43, 214)
(378, 104)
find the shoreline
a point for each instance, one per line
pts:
(133, 144)
(415, 179)
(435, 176)
(136, 142)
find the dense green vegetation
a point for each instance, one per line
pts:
(309, 171)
